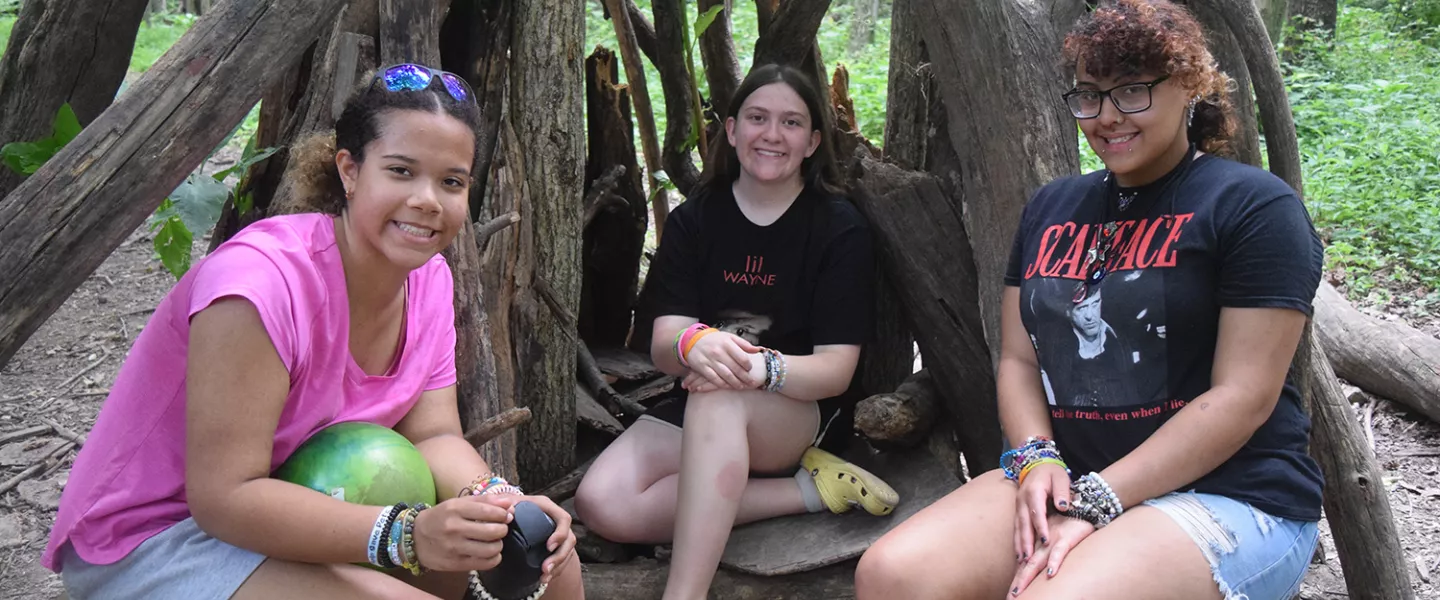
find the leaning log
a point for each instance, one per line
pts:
(646, 579)
(1387, 358)
(922, 242)
(59, 225)
(74, 51)
(998, 166)
(902, 417)
(679, 94)
(1356, 504)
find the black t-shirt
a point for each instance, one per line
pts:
(1119, 359)
(800, 282)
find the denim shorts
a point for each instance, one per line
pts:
(1253, 555)
(180, 563)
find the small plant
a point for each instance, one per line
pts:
(196, 206)
(26, 157)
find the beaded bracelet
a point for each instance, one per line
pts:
(1093, 501)
(1040, 448)
(775, 370)
(407, 540)
(489, 484)
(478, 590)
(383, 554)
(377, 532)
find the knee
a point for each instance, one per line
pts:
(891, 568)
(717, 408)
(602, 511)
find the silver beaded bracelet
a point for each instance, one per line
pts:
(1093, 501)
(478, 590)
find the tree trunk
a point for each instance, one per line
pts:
(614, 239)
(922, 242)
(1355, 500)
(1273, 13)
(62, 222)
(546, 114)
(1226, 49)
(627, 27)
(679, 95)
(74, 51)
(645, 578)
(1314, 15)
(999, 172)
(862, 25)
(789, 37)
(717, 52)
(475, 43)
(910, 90)
(1387, 358)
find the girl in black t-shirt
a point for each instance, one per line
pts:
(760, 298)
(1170, 459)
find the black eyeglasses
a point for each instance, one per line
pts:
(1129, 98)
(1097, 261)
(413, 78)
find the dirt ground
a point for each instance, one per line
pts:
(64, 370)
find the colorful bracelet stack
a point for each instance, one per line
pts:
(1036, 451)
(490, 483)
(392, 539)
(775, 370)
(1093, 501)
(686, 338)
(477, 590)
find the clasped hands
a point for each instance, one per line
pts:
(724, 361)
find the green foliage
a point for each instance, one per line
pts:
(196, 205)
(156, 37)
(1367, 110)
(26, 157)
(7, 22)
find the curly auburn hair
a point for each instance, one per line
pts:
(317, 183)
(1157, 37)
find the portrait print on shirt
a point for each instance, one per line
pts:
(1101, 345)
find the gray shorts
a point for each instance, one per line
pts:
(180, 563)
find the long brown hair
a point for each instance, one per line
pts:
(819, 169)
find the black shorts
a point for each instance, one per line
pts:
(837, 417)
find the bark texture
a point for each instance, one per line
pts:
(1387, 358)
(717, 51)
(1226, 49)
(679, 95)
(101, 187)
(546, 114)
(60, 51)
(966, 39)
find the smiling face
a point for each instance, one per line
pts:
(1138, 147)
(772, 134)
(410, 195)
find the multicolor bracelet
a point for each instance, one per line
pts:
(378, 534)
(1035, 450)
(775, 370)
(477, 590)
(403, 545)
(488, 484)
(1035, 463)
(685, 340)
(1093, 501)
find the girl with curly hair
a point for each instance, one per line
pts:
(341, 314)
(1192, 481)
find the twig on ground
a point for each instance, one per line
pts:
(21, 434)
(1422, 453)
(1421, 570)
(44, 464)
(1370, 424)
(63, 432)
(492, 427)
(104, 354)
(104, 392)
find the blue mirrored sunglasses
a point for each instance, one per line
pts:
(413, 78)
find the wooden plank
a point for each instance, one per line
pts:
(590, 414)
(807, 542)
(652, 389)
(624, 364)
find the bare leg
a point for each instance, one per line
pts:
(282, 579)
(631, 492)
(728, 434)
(961, 548)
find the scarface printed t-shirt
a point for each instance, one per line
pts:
(1119, 357)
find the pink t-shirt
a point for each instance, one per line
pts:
(128, 483)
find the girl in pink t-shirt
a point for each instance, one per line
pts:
(297, 323)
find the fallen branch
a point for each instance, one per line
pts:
(104, 354)
(1388, 359)
(563, 488)
(21, 434)
(902, 417)
(595, 382)
(42, 465)
(63, 432)
(492, 427)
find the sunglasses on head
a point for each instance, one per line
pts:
(411, 77)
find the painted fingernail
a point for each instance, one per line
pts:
(1049, 572)
(1044, 540)
(1063, 504)
(1015, 591)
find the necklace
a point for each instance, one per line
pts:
(1124, 199)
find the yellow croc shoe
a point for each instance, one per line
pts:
(843, 485)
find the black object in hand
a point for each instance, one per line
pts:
(522, 555)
